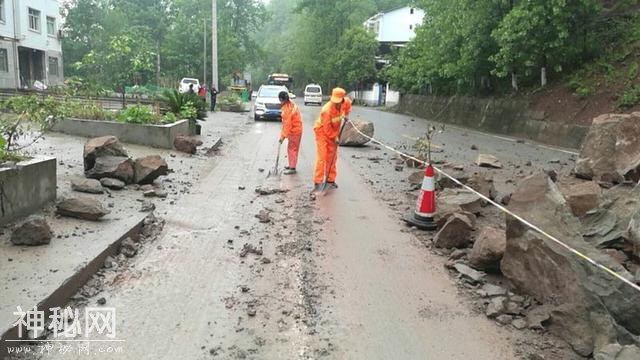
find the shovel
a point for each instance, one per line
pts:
(274, 171)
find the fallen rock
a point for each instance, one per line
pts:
(469, 273)
(128, 248)
(490, 161)
(504, 319)
(610, 152)
(442, 217)
(90, 186)
(495, 307)
(263, 216)
(519, 323)
(186, 144)
(444, 182)
(113, 184)
(250, 249)
(269, 191)
(33, 231)
(99, 147)
(488, 249)
(351, 137)
(82, 208)
(416, 178)
(589, 306)
(455, 233)
(451, 199)
(632, 234)
(538, 317)
(483, 183)
(149, 168)
(490, 290)
(582, 197)
(117, 167)
(147, 206)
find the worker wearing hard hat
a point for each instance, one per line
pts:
(291, 130)
(327, 130)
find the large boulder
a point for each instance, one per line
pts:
(102, 146)
(582, 197)
(113, 184)
(186, 144)
(590, 308)
(33, 231)
(488, 249)
(456, 233)
(452, 199)
(117, 167)
(351, 137)
(81, 208)
(90, 186)
(149, 168)
(611, 152)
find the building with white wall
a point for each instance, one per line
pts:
(393, 28)
(30, 43)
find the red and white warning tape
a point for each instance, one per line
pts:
(509, 212)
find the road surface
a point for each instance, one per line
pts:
(337, 279)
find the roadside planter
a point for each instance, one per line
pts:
(233, 107)
(26, 187)
(160, 136)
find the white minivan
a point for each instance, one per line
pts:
(313, 94)
(185, 82)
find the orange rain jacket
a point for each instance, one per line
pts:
(291, 120)
(328, 123)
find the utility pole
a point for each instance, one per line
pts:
(204, 52)
(214, 44)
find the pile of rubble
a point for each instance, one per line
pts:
(596, 213)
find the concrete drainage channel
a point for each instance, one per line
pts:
(61, 295)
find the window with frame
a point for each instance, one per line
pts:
(4, 60)
(34, 19)
(2, 11)
(51, 25)
(53, 66)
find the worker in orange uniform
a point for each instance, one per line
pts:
(327, 129)
(291, 130)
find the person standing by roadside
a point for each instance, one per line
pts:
(214, 94)
(291, 130)
(327, 130)
(202, 91)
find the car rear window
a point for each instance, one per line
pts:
(313, 89)
(190, 81)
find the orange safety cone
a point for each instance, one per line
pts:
(422, 217)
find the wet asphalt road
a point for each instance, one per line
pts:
(337, 277)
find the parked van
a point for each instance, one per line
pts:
(185, 82)
(313, 94)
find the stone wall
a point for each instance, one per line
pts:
(498, 116)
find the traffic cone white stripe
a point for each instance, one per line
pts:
(428, 184)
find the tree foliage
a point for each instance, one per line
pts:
(468, 46)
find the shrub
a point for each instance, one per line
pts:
(169, 118)
(630, 96)
(90, 111)
(176, 102)
(138, 115)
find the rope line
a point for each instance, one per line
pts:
(507, 211)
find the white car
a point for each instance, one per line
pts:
(267, 105)
(185, 82)
(313, 94)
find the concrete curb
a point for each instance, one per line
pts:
(61, 296)
(27, 187)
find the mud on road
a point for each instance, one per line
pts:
(238, 273)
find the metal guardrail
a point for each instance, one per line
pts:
(108, 103)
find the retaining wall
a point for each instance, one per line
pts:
(160, 136)
(499, 116)
(26, 188)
